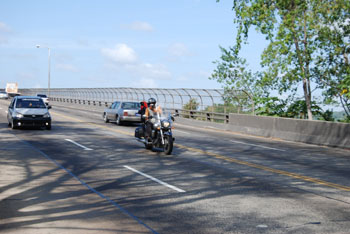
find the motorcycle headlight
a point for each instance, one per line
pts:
(18, 115)
(47, 115)
(166, 124)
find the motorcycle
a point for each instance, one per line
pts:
(161, 136)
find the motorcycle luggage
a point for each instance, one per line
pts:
(139, 132)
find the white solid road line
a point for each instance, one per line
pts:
(261, 146)
(156, 180)
(85, 148)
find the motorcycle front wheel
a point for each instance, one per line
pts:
(168, 144)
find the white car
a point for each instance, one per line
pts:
(26, 111)
(3, 95)
(44, 97)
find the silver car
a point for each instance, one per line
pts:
(27, 111)
(3, 95)
(44, 97)
(123, 112)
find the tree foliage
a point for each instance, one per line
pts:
(189, 107)
(293, 109)
(241, 86)
(303, 49)
(192, 104)
(332, 63)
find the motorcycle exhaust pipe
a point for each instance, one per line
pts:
(141, 140)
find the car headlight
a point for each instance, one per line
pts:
(47, 115)
(18, 115)
(166, 124)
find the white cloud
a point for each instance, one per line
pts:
(150, 71)
(67, 67)
(125, 58)
(121, 54)
(138, 26)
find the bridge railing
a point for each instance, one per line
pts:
(201, 104)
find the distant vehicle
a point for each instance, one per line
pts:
(123, 112)
(12, 89)
(27, 111)
(3, 95)
(44, 97)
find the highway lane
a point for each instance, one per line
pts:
(287, 156)
(220, 196)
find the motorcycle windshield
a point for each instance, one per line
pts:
(164, 116)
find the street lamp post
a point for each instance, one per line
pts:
(48, 87)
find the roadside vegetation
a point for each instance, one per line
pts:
(308, 51)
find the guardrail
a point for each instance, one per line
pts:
(172, 98)
(201, 104)
(190, 114)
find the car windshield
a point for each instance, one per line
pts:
(131, 105)
(42, 95)
(30, 103)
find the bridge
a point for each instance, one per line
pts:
(87, 176)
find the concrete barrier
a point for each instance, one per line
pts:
(313, 132)
(297, 130)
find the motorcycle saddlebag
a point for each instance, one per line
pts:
(139, 132)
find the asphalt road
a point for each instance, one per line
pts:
(86, 176)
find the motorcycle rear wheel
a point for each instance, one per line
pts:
(168, 144)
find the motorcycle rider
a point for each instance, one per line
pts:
(151, 112)
(142, 110)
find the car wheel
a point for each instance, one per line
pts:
(118, 121)
(105, 118)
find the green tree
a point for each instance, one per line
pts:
(192, 104)
(272, 106)
(292, 28)
(189, 107)
(241, 86)
(332, 63)
(327, 116)
(298, 109)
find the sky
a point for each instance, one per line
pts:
(114, 43)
